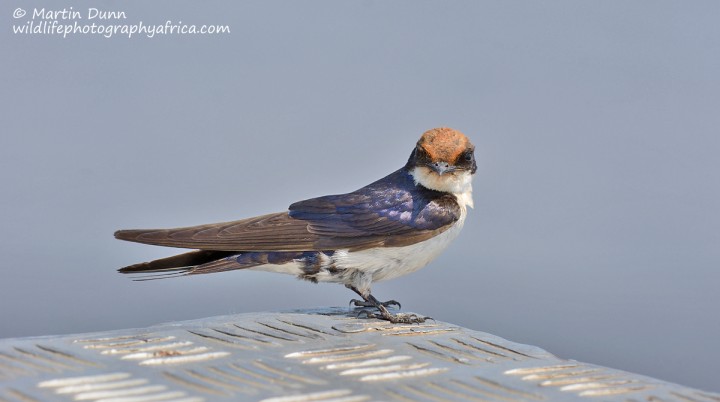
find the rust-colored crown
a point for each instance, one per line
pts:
(444, 144)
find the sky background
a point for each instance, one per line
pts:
(596, 228)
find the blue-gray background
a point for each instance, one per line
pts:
(596, 232)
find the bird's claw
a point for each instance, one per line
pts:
(362, 303)
(392, 303)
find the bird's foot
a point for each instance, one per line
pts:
(399, 318)
(362, 303)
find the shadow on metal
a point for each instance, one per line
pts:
(318, 355)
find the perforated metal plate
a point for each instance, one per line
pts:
(324, 355)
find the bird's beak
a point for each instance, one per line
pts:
(441, 167)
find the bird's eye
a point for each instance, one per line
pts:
(468, 156)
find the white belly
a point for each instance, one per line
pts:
(361, 268)
(391, 262)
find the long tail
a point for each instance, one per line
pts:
(178, 265)
(211, 261)
(180, 261)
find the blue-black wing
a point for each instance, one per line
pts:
(393, 211)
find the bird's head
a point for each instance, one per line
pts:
(443, 160)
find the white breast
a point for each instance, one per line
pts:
(392, 262)
(378, 264)
(361, 268)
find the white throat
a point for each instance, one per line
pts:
(458, 183)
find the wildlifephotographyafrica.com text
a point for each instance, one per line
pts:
(94, 21)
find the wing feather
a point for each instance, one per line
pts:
(392, 211)
(272, 232)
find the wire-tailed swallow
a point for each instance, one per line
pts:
(386, 229)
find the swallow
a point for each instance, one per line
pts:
(389, 228)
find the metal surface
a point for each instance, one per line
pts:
(324, 355)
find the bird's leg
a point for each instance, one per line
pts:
(370, 300)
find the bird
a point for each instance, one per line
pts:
(389, 228)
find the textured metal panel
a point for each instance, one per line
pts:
(324, 355)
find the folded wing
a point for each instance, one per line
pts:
(390, 212)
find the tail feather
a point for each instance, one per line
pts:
(177, 262)
(152, 276)
(211, 261)
(221, 265)
(193, 263)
